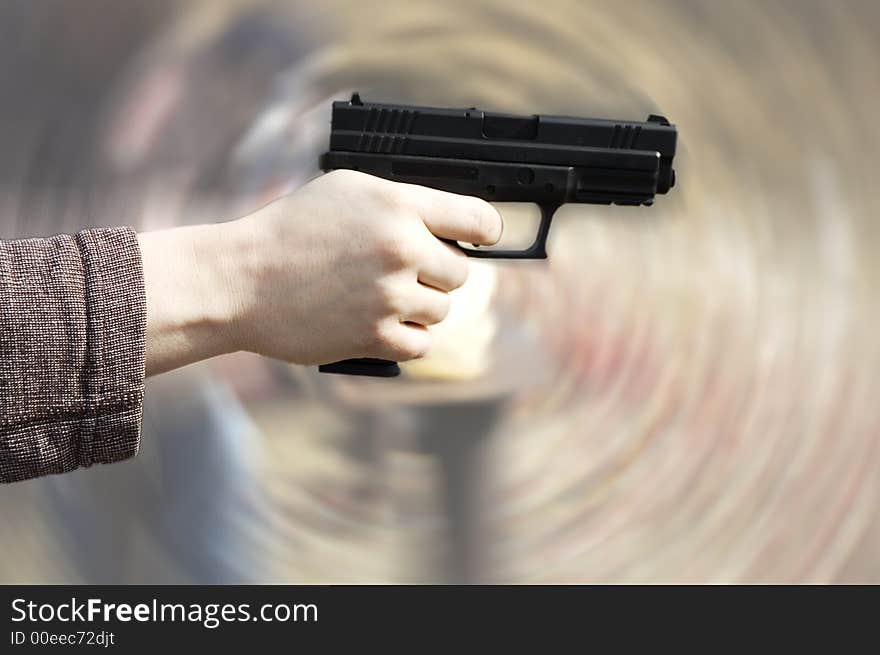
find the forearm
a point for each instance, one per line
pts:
(193, 280)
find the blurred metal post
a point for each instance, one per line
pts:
(457, 435)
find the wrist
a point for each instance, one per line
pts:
(194, 296)
(235, 268)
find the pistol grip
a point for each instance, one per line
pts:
(369, 366)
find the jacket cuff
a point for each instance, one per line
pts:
(72, 340)
(115, 346)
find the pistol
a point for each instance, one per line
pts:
(545, 160)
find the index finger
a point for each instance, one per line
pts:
(457, 217)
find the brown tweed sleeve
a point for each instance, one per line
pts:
(72, 327)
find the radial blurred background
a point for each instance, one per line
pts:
(686, 393)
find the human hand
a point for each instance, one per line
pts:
(350, 265)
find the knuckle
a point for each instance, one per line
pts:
(460, 271)
(389, 195)
(392, 251)
(393, 342)
(338, 174)
(441, 311)
(390, 340)
(413, 349)
(447, 305)
(453, 274)
(345, 176)
(388, 297)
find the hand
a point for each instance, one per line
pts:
(350, 265)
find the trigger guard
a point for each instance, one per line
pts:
(538, 249)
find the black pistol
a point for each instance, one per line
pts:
(546, 160)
